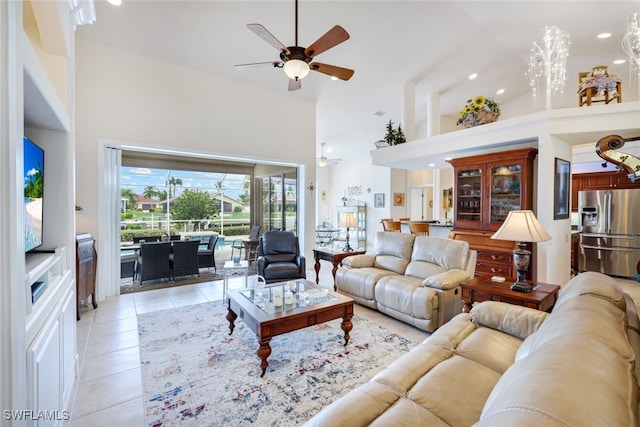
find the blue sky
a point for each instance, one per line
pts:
(32, 155)
(137, 179)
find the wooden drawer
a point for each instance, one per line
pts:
(494, 269)
(495, 257)
(495, 263)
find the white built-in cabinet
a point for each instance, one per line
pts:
(38, 339)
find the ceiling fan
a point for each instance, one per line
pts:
(297, 60)
(323, 160)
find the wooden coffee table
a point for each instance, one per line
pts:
(543, 296)
(267, 320)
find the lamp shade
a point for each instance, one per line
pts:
(296, 69)
(521, 226)
(348, 219)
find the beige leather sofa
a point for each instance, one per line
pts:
(415, 279)
(510, 366)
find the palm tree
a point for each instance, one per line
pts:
(150, 192)
(172, 183)
(131, 197)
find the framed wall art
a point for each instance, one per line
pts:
(561, 186)
(398, 199)
(378, 200)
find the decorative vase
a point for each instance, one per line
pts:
(480, 118)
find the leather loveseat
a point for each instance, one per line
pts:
(415, 279)
(511, 366)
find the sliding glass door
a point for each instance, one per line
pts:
(279, 195)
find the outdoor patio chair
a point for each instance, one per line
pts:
(280, 257)
(184, 259)
(153, 261)
(127, 265)
(207, 257)
(251, 243)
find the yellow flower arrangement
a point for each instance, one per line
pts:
(479, 110)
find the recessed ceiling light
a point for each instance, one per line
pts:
(334, 78)
(619, 61)
(431, 165)
(115, 2)
(473, 76)
(500, 92)
(379, 113)
(604, 35)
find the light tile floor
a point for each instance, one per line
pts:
(109, 390)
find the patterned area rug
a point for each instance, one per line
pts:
(195, 374)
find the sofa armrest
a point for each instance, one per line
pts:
(447, 279)
(359, 261)
(511, 319)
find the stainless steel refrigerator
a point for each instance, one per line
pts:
(610, 232)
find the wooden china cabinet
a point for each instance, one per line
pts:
(486, 188)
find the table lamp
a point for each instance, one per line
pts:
(348, 220)
(521, 226)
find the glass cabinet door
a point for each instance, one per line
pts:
(469, 192)
(506, 183)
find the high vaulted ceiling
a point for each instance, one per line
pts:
(434, 45)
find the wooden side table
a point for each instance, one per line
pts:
(334, 257)
(86, 263)
(543, 296)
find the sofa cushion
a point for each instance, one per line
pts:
(447, 253)
(574, 380)
(508, 318)
(585, 315)
(359, 283)
(393, 251)
(447, 279)
(592, 283)
(406, 295)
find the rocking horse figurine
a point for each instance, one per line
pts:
(606, 147)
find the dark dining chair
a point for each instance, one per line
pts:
(207, 257)
(251, 243)
(184, 259)
(280, 257)
(153, 261)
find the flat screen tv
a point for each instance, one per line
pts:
(33, 194)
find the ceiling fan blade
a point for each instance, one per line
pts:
(331, 38)
(294, 84)
(265, 35)
(275, 64)
(332, 70)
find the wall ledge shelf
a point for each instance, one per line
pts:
(576, 126)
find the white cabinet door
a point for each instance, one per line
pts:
(44, 373)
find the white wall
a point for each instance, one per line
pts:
(140, 101)
(354, 170)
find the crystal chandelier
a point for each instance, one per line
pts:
(548, 64)
(631, 43)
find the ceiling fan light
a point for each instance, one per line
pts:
(322, 162)
(296, 69)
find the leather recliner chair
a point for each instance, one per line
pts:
(280, 257)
